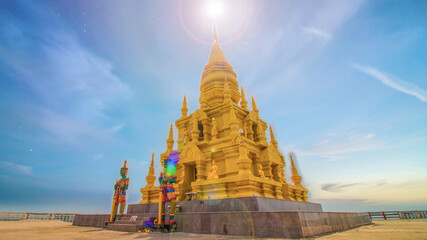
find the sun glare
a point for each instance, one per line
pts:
(215, 9)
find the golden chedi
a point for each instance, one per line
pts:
(223, 147)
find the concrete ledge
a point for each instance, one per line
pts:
(320, 223)
(124, 227)
(91, 220)
(292, 224)
(231, 205)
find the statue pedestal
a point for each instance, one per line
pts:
(246, 216)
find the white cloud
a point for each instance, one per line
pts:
(370, 135)
(303, 36)
(380, 191)
(98, 156)
(393, 82)
(73, 86)
(116, 128)
(16, 168)
(336, 147)
(318, 33)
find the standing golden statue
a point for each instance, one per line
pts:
(214, 129)
(245, 129)
(120, 194)
(260, 171)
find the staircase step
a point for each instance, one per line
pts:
(124, 227)
(129, 222)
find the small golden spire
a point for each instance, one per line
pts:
(292, 160)
(152, 160)
(170, 141)
(184, 109)
(151, 178)
(171, 132)
(124, 164)
(254, 108)
(243, 102)
(296, 178)
(272, 139)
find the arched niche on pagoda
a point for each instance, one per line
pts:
(190, 168)
(272, 161)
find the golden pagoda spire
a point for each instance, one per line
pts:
(254, 108)
(184, 109)
(243, 102)
(272, 139)
(217, 55)
(296, 178)
(215, 34)
(151, 178)
(170, 141)
(214, 75)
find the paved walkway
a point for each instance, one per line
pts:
(37, 229)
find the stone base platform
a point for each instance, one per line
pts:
(250, 216)
(296, 224)
(243, 204)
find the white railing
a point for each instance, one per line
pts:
(16, 216)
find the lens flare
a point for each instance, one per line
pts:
(171, 163)
(215, 9)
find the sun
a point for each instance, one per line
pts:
(214, 9)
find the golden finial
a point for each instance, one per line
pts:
(215, 34)
(243, 101)
(171, 132)
(170, 141)
(272, 139)
(184, 109)
(292, 160)
(296, 178)
(152, 159)
(254, 108)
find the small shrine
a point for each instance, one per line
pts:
(223, 147)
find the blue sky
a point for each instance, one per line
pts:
(87, 84)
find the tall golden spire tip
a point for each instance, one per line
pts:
(215, 34)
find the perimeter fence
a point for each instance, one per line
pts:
(16, 216)
(388, 215)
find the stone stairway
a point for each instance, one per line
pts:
(126, 225)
